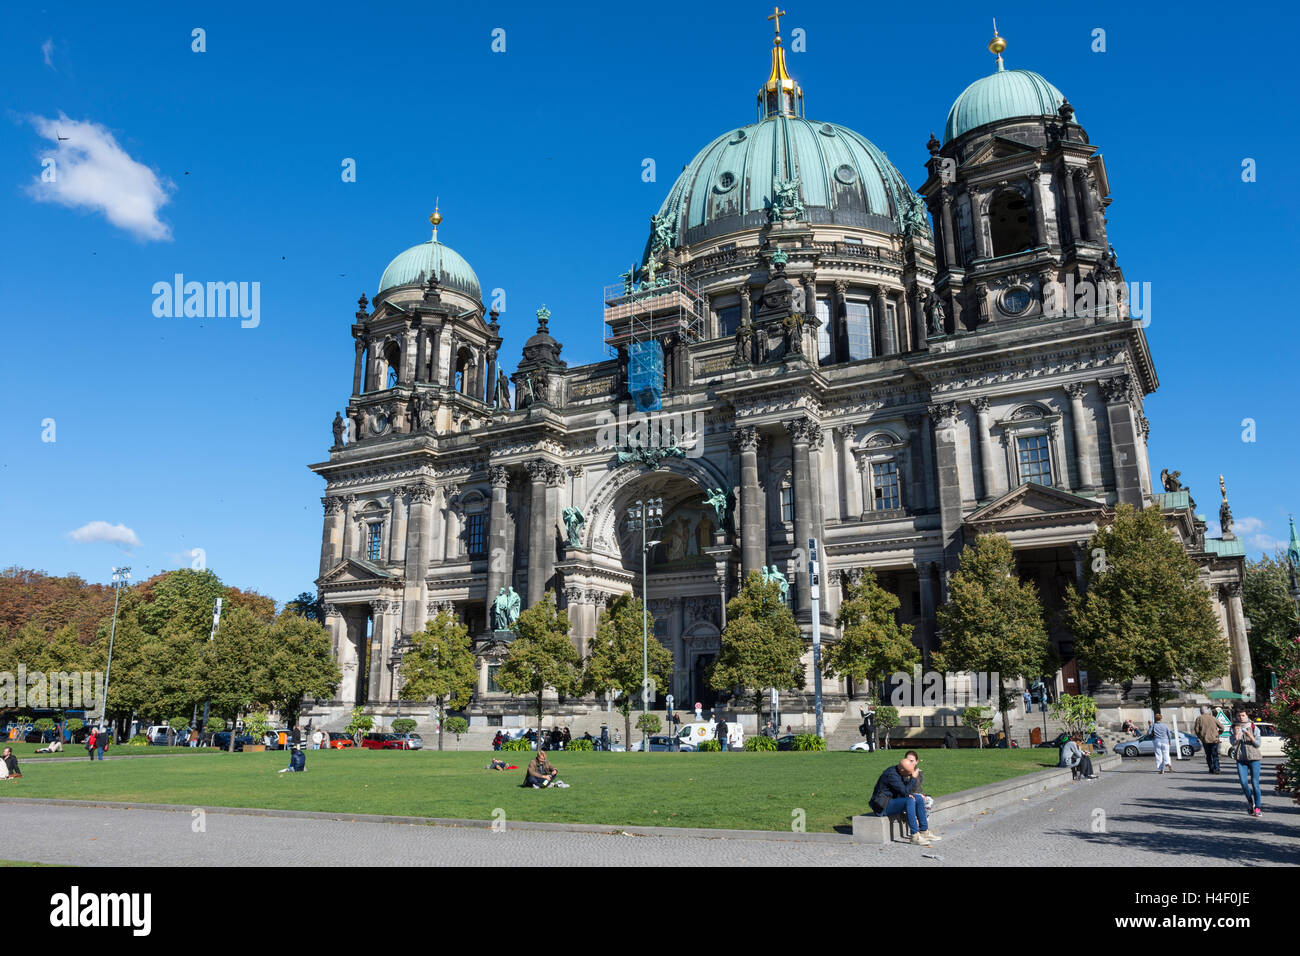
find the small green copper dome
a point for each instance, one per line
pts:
(412, 268)
(1006, 94)
(843, 178)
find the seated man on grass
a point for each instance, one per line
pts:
(898, 791)
(541, 774)
(10, 764)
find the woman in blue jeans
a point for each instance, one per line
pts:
(1247, 739)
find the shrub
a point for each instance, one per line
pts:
(753, 744)
(74, 723)
(256, 725)
(649, 724)
(520, 744)
(404, 725)
(359, 723)
(711, 746)
(809, 742)
(579, 745)
(1077, 712)
(214, 725)
(44, 724)
(886, 720)
(139, 740)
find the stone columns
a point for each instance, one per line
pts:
(379, 637)
(349, 532)
(409, 349)
(839, 333)
(397, 528)
(1242, 674)
(885, 343)
(1080, 552)
(1071, 206)
(801, 436)
(357, 366)
(351, 633)
(1118, 393)
(979, 224)
(1040, 208)
(752, 530)
(987, 465)
(928, 584)
(848, 480)
(435, 355)
(498, 570)
(949, 241)
(419, 550)
(1093, 202)
(538, 472)
(816, 479)
(1083, 462)
(944, 417)
(721, 581)
(919, 461)
(331, 544)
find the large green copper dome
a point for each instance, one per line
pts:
(843, 178)
(412, 268)
(1006, 94)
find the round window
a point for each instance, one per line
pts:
(827, 129)
(726, 182)
(1015, 300)
(846, 174)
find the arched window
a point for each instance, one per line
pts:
(1081, 203)
(1009, 223)
(464, 370)
(392, 364)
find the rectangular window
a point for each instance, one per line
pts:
(1034, 462)
(729, 320)
(857, 323)
(727, 247)
(787, 504)
(825, 333)
(492, 686)
(374, 540)
(884, 482)
(891, 322)
(475, 535)
(853, 240)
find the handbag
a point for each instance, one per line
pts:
(1232, 751)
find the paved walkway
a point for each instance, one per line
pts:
(1131, 816)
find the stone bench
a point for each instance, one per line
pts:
(870, 828)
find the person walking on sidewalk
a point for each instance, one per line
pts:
(1246, 742)
(1162, 736)
(1207, 731)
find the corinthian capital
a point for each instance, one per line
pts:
(746, 438)
(499, 476)
(538, 470)
(421, 494)
(802, 430)
(943, 413)
(1076, 390)
(1117, 389)
(333, 504)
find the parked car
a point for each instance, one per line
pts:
(1144, 745)
(221, 740)
(662, 742)
(1270, 741)
(340, 741)
(410, 741)
(381, 742)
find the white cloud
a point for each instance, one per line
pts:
(118, 534)
(47, 51)
(91, 170)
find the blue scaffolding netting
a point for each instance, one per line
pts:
(645, 374)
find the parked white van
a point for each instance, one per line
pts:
(690, 736)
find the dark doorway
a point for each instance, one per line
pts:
(1009, 223)
(701, 692)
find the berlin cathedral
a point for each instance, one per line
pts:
(808, 348)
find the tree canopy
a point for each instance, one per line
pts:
(440, 665)
(614, 659)
(761, 644)
(541, 656)
(872, 642)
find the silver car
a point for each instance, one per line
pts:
(1145, 746)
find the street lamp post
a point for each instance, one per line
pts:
(120, 577)
(642, 516)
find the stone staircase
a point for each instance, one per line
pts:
(845, 734)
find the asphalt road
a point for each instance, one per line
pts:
(1131, 816)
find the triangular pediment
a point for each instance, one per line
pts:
(999, 147)
(1032, 500)
(351, 570)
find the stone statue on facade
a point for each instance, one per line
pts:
(664, 232)
(338, 430)
(934, 314)
(914, 219)
(1225, 513)
(573, 523)
(717, 499)
(503, 390)
(427, 412)
(743, 345)
(1170, 480)
(786, 203)
(629, 279)
(794, 333)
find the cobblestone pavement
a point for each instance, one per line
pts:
(1131, 816)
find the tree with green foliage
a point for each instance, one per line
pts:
(455, 726)
(404, 725)
(1274, 619)
(993, 622)
(233, 668)
(648, 724)
(359, 722)
(440, 665)
(614, 660)
(307, 605)
(541, 656)
(979, 719)
(761, 644)
(301, 665)
(181, 600)
(1076, 712)
(1145, 612)
(174, 726)
(872, 642)
(886, 719)
(257, 726)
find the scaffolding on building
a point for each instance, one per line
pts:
(647, 310)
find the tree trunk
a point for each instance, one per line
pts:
(442, 719)
(539, 718)
(627, 727)
(1002, 704)
(230, 744)
(1155, 695)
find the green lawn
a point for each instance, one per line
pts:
(28, 751)
(756, 791)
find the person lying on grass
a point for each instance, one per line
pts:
(500, 765)
(541, 774)
(55, 746)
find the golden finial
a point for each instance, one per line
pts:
(780, 94)
(997, 44)
(436, 219)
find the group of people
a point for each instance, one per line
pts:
(557, 739)
(1244, 742)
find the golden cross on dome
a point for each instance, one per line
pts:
(777, 14)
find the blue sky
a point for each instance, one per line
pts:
(225, 165)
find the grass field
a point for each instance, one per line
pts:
(25, 751)
(758, 791)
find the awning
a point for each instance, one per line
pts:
(1225, 695)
